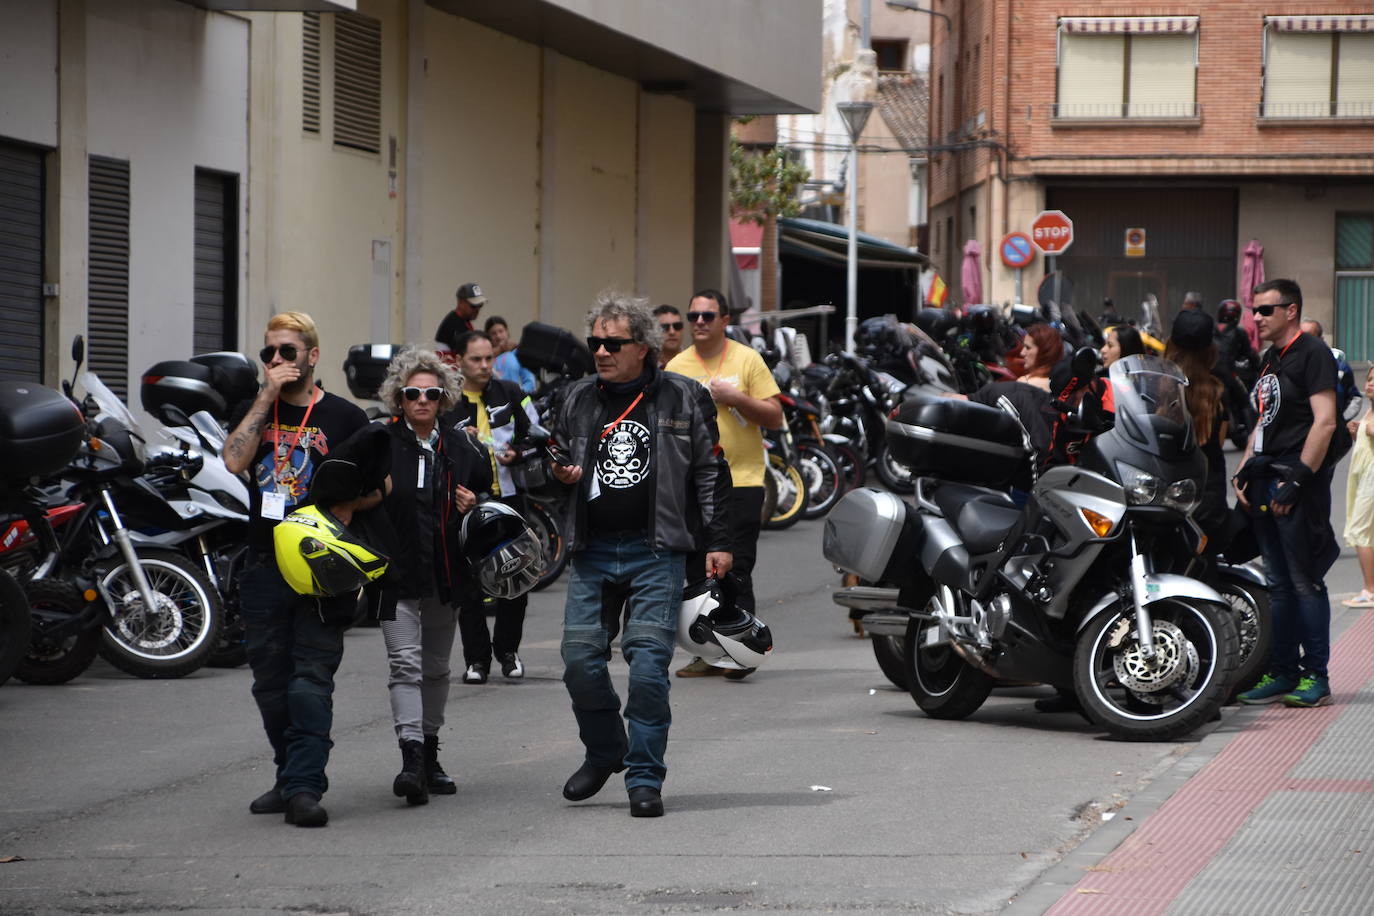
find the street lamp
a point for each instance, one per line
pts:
(855, 116)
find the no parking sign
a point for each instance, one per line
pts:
(1016, 250)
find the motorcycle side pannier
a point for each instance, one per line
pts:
(543, 346)
(365, 368)
(957, 440)
(875, 535)
(183, 384)
(40, 431)
(236, 376)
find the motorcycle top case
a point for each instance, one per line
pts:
(40, 431)
(543, 346)
(198, 384)
(875, 535)
(365, 368)
(957, 440)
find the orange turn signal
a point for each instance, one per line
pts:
(1100, 524)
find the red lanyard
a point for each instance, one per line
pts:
(633, 404)
(282, 462)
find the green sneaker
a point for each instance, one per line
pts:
(1269, 689)
(1311, 691)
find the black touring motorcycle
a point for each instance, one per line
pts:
(1081, 587)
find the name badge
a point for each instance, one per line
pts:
(595, 490)
(274, 506)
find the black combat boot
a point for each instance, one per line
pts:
(440, 783)
(411, 783)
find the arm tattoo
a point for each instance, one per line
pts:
(244, 440)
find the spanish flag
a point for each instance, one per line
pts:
(938, 292)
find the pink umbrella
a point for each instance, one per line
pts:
(971, 278)
(1251, 275)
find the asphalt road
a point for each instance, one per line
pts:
(813, 786)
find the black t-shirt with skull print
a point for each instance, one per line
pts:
(624, 468)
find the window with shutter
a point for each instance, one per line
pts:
(1355, 75)
(1318, 67)
(216, 262)
(21, 262)
(357, 82)
(1092, 76)
(1297, 75)
(1162, 76)
(107, 318)
(1127, 67)
(310, 73)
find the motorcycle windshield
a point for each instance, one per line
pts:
(111, 406)
(1151, 404)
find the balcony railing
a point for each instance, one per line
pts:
(1125, 111)
(1316, 110)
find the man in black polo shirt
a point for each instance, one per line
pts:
(1285, 480)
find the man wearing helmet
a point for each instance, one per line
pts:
(282, 436)
(651, 488)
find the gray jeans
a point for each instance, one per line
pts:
(418, 645)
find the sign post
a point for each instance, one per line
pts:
(1052, 232)
(1017, 251)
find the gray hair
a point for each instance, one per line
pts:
(610, 305)
(1195, 298)
(410, 362)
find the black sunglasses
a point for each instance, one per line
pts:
(431, 394)
(707, 317)
(1267, 310)
(670, 325)
(612, 344)
(288, 353)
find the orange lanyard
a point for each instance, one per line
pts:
(633, 404)
(1259, 396)
(710, 376)
(283, 462)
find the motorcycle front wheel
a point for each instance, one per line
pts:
(174, 638)
(824, 479)
(545, 520)
(1254, 626)
(791, 489)
(890, 652)
(896, 477)
(943, 685)
(51, 659)
(1167, 697)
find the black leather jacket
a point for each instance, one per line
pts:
(691, 492)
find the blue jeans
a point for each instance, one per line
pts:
(294, 655)
(1298, 549)
(606, 574)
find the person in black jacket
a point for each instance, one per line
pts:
(652, 487)
(436, 476)
(499, 414)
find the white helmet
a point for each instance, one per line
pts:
(743, 641)
(503, 551)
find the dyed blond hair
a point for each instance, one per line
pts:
(299, 322)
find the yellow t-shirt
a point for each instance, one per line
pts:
(741, 440)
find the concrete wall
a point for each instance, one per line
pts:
(666, 205)
(478, 197)
(167, 106)
(28, 71)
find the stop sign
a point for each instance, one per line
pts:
(1052, 231)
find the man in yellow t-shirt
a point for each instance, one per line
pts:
(747, 402)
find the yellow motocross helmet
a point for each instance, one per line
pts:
(318, 556)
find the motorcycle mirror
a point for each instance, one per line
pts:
(538, 435)
(1084, 363)
(78, 350)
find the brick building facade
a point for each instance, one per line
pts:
(1205, 124)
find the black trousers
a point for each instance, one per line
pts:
(503, 638)
(746, 520)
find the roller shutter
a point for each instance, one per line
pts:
(215, 263)
(21, 262)
(107, 318)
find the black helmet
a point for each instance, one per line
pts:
(505, 554)
(982, 319)
(1228, 312)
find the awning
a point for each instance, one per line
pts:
(1129, 25)
(748, 236)
(829, 242)
(1320, 23)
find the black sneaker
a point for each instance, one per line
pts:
(511, 666)
(476, 673)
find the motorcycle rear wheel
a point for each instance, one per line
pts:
(50, 660)
(14, 625)
(890, 652)
(943, 685)
(544, 520)
(175, 639)
(1196, 645)
(851, 464)
(894, 476)
(1254, 626)
(791, 494)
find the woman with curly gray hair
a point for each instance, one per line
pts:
(435, 475)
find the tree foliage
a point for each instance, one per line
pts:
(764, 184)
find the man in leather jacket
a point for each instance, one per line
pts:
(652, 487)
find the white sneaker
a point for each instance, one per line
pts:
(511, 666)
(476, 674)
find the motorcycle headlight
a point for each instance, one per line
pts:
(1182, 495)
(1142, 487)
